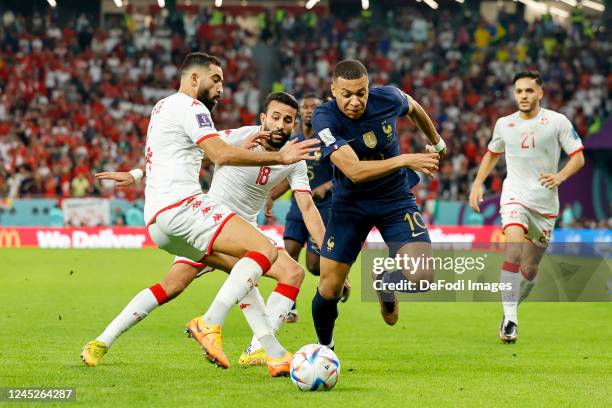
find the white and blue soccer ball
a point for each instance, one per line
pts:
(314, 368)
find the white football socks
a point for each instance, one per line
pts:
(139, 307)
(510, 276)
(254, 310)
(526, 287)
(279, 304)
(244, 276)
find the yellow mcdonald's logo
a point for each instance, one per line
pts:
(498, 239)
(9, 239)
(498, 236)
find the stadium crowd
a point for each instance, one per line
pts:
(75, 98)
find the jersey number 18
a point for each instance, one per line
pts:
(263, 176)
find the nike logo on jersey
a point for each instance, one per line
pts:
(416, 234)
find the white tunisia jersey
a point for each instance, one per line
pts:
(172, 157)
(532, 147)
(244, 189)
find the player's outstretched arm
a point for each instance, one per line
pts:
(224, 154)
(360, 171)
(418, 115)
(489, 161)
(553, 180)
(312, 217)
(122, 178)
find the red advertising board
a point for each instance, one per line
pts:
(137, 237)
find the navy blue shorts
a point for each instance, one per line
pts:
(349, 225)
(296, 230)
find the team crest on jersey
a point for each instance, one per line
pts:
(511, 124)
(544, 121)
(388, 129)
(330, 243)
(203, 120)
(369, 139)
(317, 156)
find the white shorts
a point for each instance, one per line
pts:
(203, 268)
(537, 227)
(189, 229)
(201, 263)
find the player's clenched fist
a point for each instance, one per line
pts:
(476, 194)
(426, 163)
(294, 151)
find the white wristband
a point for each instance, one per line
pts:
(439, 146)
(137, 174)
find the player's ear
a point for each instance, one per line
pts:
(333, 89)
(262, 118)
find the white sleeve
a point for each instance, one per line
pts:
(298, 178)
(239, 135)
(198, 123)
(568, 137)
(497, 145)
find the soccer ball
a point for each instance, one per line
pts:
(315, 367)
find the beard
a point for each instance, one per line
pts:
(206, 99)
(278, 143)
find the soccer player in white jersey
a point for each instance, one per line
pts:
(242, 189)
(532, 140)
(183, 221)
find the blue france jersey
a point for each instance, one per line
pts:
(373, 137)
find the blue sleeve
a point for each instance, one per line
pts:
(325, 124)
(398, 98)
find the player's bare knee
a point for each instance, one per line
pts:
(268, 250)
(513, 254)
(529, 271)
(173, 287)
(331, 288)
(426, 275)
(295, 275)
(420, 275)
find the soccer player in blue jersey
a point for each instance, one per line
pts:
(372, 184)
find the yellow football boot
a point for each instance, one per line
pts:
(253, 358)
(93, 352)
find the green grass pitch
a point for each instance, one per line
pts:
(440, 354)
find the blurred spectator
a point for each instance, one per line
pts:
(80, 186)
(134, 216)
(76, 103)
(56, 217)
(567, 217)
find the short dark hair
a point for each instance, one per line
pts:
(349, 69)
(528, 74)
(198, 59)
(282, 97)
(309, 95)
